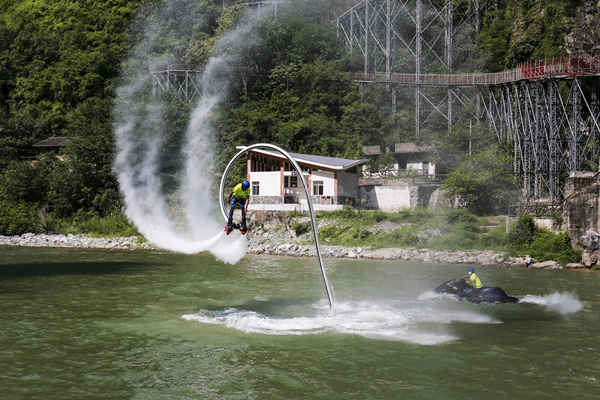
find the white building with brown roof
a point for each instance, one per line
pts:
(275, 185)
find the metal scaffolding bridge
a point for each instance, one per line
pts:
(548, 110)
(568, 67)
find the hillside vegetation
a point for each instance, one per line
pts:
(60, 65)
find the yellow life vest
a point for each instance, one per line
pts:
(476, 282)
(239, 193)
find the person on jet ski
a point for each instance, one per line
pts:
(473, 279)
(239, 195)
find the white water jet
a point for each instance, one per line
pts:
(180, 219)
(562, 303)
(411, 322)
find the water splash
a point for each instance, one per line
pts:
(175, 212)
(407, 323)
(562, 303)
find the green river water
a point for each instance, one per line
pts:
(90, 324)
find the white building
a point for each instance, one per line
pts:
(406, 180)
(275, 185)
(408, 158)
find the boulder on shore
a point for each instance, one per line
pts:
(546, 265)
(590, 248)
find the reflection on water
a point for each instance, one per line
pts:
(151, 325)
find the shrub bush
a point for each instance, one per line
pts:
(459, 238)
(361, 234)
(521, 233)
(331, 232)
(301, 228)
(403, 237)
(495, 239)
(460, 215)
(17, 218)
(113, 225)
(549, 246)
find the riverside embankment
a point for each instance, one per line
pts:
(282, 242)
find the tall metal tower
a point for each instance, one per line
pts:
(416, 37)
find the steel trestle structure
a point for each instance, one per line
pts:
(547, 110)
(552, 125)
(179, 80)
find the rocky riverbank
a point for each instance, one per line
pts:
(282, 242)
(76, 241)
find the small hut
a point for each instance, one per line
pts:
(51, 144)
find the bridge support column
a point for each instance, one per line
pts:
(554, 141)
(574, 130)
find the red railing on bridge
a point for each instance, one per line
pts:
(562, 66)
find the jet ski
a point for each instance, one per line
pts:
(461, 289)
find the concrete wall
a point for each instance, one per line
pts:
(582, 216)
(547, 223)
(388, 195)
(347, 184)
(581, 205)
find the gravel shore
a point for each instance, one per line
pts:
(263, 242)
(283, 242)
(76, 241)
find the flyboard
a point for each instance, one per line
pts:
(230, 228)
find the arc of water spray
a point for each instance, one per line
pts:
(310, 206)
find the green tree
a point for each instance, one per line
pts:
(482, 182)
(84, 171)
(521, 31)
(58, 54)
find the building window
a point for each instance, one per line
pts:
(318, 188)
(290, 181)
(255, 189)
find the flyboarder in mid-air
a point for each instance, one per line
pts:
(239, 195)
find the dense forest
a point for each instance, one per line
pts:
(61, 63)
